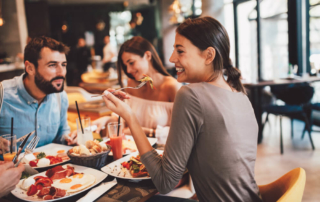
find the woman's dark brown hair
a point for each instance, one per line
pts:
(138, 45)
(208, 32)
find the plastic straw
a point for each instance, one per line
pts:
(11, 135)
(118, 125)
(79, 117)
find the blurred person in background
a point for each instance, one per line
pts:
(109, 54)
(83, 59)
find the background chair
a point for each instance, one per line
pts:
(287, 188)
(296, 98)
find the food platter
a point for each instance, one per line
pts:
(51, 150)
(98, 177)
(116, 169)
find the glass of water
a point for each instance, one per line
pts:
(87, 133)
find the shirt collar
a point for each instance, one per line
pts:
(24, 93)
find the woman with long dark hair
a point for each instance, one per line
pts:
(213, 131)
(153, 107)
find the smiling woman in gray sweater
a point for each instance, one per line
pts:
(213, 130)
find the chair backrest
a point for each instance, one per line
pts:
(289, 187)
(294, 94)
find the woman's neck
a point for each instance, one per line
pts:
(222, 83)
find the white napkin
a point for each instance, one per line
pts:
(97, 191)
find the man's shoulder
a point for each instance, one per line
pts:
(10, 84)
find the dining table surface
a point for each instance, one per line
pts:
(124, 190)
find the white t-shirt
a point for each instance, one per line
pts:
(108, 50)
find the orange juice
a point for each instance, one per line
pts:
(9, 156)
(116, 144)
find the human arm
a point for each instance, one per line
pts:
(9, 177)
(186, 125)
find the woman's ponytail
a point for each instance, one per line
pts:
(234, 77)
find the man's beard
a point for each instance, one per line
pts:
(47, 86)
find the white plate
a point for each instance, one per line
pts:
(152, 141)
(100, 176)
(115, 169)
(52, 149)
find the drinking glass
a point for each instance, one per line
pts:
(8, 150)
(115, 139)
(87, 133)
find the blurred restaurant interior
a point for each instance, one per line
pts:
(274, 43)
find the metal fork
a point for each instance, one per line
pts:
(30, 147)
(136, 87)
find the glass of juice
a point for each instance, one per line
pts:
(115, 139)
(87, 133)
(8, 150)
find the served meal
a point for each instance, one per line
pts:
(146, 78)
(45, 158)
(91, 147)
(58, 182)
(135, 167)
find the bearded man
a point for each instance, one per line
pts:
(36, 99)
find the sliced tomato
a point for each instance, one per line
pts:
(32, 190)
(33, 163)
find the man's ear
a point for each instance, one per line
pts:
(30, 68)
(148, 55)
(210, 55)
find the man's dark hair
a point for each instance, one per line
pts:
(33, 49)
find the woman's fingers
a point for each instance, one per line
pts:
(119, 94)
(110, 97)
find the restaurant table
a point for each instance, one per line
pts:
(98, 88)
(92, 109)
(256, 93)
(124, 190)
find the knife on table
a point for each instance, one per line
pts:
(22, 146)
(24, 137)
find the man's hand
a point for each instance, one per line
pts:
(72, 138)
(9, 177)
(5, 144)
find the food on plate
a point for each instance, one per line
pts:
(135, 166)
(26, 183)
(59, 172)
(75, 183)
(43, 162)
(146, 78)
(90, 147)
(45, 158)
(57, 182)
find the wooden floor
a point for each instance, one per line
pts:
(271, 165)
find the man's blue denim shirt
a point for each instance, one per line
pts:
(49, 122)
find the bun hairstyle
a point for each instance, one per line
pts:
(208, 32)
(138, 45)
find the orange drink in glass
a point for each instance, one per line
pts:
(115, 139)
(8, 150)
